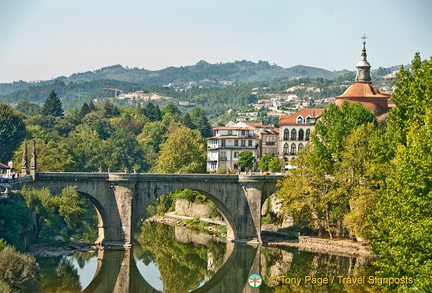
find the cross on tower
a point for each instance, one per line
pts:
(364, 37)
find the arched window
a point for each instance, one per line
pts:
(300, 147)
(293, 149)
(308, 119)
(293, 134)
(286, 134)
(301, 134)
(285, 149)
(307, 134)
(299, 119)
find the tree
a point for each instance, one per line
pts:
(264, 162)
(12, 131)
(28, 108)
(52, 106)
(311, 188)
(187, 121)
(401, 225)
(204, 126)
(152, 112)
(275, 165)
(183, 152)
(19, 271)
(246, 159)
(85, 109)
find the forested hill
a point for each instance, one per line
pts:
(212, 74)
(239, 71)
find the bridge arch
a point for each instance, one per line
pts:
(101, 216)
(226, 213)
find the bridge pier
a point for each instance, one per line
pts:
(124, 198)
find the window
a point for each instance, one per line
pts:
(299, 119)
(308, 119)
(235, 142)
(286, 134)
(307, 134)
(243, 143)
(300, 147)
(293, 134)
(285, 149)
(223, 156)
(229, 132)
(236, 155)
(243, 132)
(249, 142)
(301, 134)
(293, 149)
(223, 143)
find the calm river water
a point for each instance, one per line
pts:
(175, 259)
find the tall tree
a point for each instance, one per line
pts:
(183, 152)
(401, 233)
(52, 106)
(12, 131)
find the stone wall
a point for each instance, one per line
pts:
(183, 207)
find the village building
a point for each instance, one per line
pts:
(224, 147)
(295, 131)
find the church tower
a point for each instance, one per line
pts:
(363, 91)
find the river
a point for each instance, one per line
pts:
(176, 259)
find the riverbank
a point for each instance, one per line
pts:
(341, 247)
(59, 249)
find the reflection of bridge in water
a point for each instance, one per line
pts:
(117, 272)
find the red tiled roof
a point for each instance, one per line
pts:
(363, 90)
(292, 119)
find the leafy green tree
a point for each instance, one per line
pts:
(354, 179)
(19, 271)
(401, 226)
(264, 162)
(275, 165)
(109, 110)
(28, 108)
(14, 220)
(246, 160)
(311, 187)
(12, 131)
(52, 106)
(184, 151)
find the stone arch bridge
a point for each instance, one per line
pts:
(121, 199)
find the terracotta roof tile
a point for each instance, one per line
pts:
(292, 119)
(361, 89)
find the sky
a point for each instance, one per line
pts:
(45, 39)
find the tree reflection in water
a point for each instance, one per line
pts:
(190, 264)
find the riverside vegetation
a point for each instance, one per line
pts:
(358, 178)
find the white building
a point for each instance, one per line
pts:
(295, 130)
(227, 142)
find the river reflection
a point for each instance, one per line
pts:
(179, 260)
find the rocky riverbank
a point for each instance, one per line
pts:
(178, 222)
(59, 249)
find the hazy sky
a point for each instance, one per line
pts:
(44, 39)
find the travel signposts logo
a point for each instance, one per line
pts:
(255, 280)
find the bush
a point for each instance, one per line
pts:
(18, 270)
